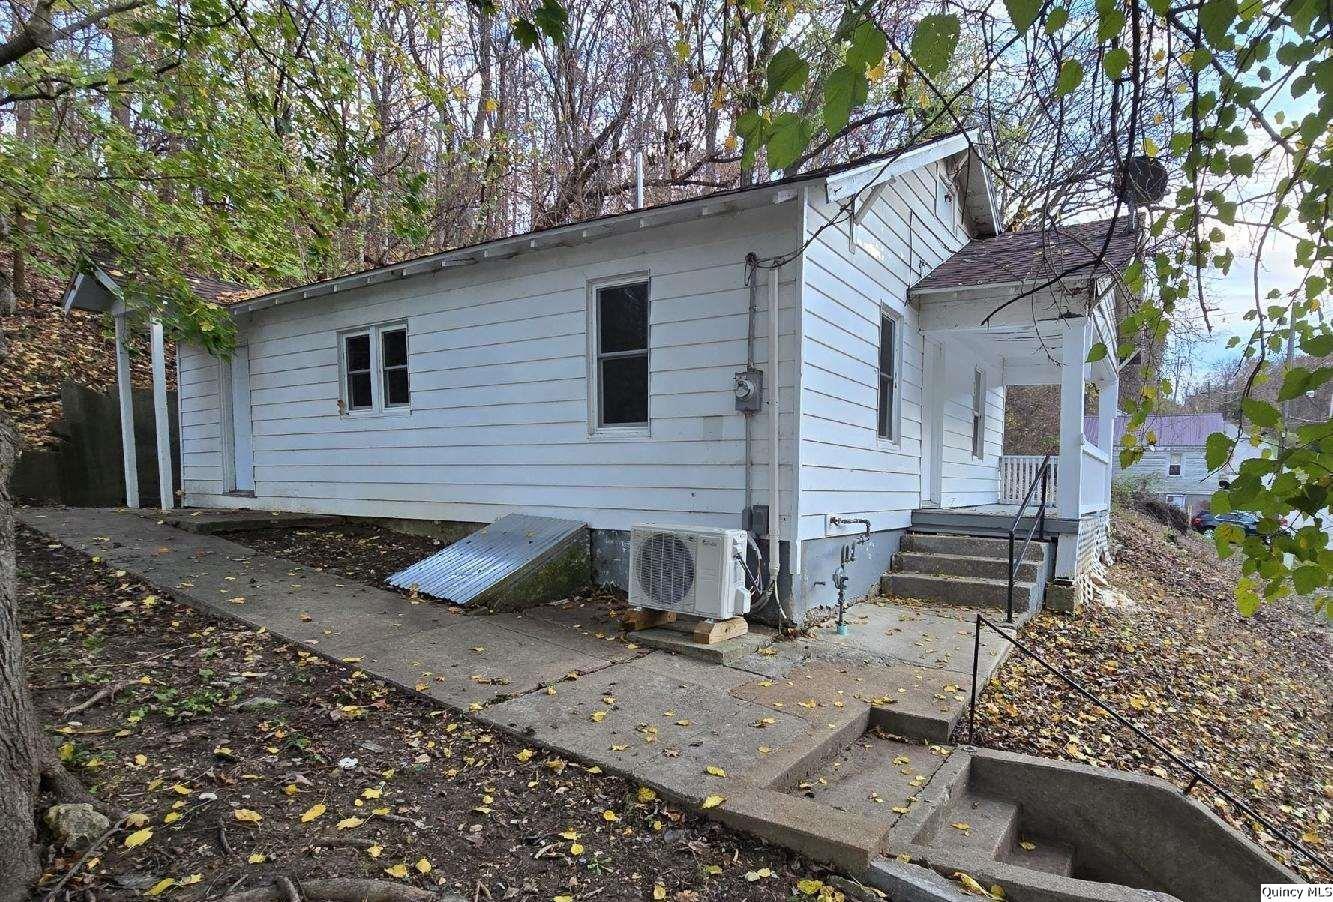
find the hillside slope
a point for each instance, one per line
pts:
(1244, 699)
(45, 347)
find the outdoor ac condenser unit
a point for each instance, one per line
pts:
(689, 570)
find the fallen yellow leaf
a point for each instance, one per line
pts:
(348, 823)
(245, 815)
(138, 838)
(161, 886)
(397, 870)
(713, 770)
(312, 812)
(423, 866)
(712, 802)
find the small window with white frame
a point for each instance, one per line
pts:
(618, 354)
(374, 368)
(889, 354)
(1174, 463)
(978, 414)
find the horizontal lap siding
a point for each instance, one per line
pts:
(1151, 470)
(968, 480)
(499, 418)
(200, 423)
(845, 467)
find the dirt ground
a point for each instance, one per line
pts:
(364, 553)
(242, 757)
(1245, 699)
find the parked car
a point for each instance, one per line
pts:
(1207, 521)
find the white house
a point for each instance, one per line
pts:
(589, 372)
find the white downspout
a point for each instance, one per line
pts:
(774, 409)
(638, 181)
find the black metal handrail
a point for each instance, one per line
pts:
(1038, 527)
(1196, 776)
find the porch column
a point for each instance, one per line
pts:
(126, 392)
(1107, 407)
(165, 489)
(1073, 353)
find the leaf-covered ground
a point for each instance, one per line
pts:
(1246, 700)
(243, 757)
(45, 347)
(364, 553)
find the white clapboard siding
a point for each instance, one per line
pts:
(499, 414)
(846, 468)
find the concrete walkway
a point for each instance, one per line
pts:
(807, 732)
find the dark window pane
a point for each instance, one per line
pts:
(886, 345)
(358, 352)
(885, 407)
(395, 348)
(358, 390)
(396, 390)
(623, 317)
(625, 391)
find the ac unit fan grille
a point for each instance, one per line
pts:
(666, 569)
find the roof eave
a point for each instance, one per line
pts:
(844, 184)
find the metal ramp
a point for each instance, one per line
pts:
(517, 561)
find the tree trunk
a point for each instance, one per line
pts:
(19, 755)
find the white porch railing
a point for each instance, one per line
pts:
(1094, 477)
(1017, 472)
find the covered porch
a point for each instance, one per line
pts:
(1037, 328)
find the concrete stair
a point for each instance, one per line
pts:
(992, 831)
(965, 570)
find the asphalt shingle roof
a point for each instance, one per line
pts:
(1064, 251)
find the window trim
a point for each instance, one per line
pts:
(1176, 460)
(596, 428)
(378, 407)
(979, 389)
(894, 438)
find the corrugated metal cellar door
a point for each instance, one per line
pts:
(511, 546)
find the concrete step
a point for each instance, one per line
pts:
(1049, 855)
(962, 565)
(985, 827)
(970, 546)
(961, 590)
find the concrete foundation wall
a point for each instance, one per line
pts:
(819, 562)
(85, 468)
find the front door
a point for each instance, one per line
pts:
(932, 422)
(238, 457)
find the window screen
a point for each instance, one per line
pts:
(888, 376)
(622, 354)
(393, 351)
(978, 414)
(357, 360)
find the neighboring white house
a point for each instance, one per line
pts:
(589, 371)
(1173, 465)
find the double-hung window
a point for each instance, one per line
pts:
(374, 369)
(887, 420)
(1174, 463)
(978, 414)
(619, 346)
